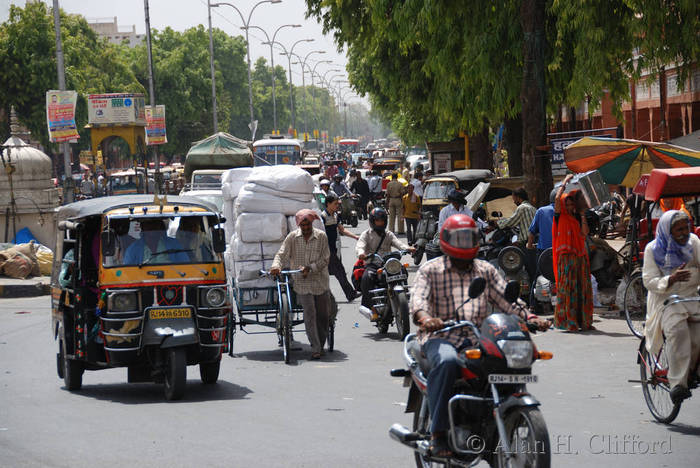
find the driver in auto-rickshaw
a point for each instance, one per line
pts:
(154, 246)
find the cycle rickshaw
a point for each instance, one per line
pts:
(274, 307)
(660, 184)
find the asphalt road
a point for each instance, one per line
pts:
(333, 412)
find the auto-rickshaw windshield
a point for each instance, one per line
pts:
(162, 240)
(437, 190)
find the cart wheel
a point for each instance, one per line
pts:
(331, 324)
(209, 371)
(175, 373)
(286, 323)
(635, 305)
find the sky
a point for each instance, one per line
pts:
(183, 14)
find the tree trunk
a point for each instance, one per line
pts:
(480, 155)
(513, 142)
(537, 166)
(572, 119)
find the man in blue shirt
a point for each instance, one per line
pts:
(542, 225)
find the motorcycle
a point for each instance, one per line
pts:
(543, 297)
(348, 213)
(390, 297)
(501, 251)
(492, 415)
(425, 232)
(608, 216)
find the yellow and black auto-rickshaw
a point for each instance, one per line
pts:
(139, 282)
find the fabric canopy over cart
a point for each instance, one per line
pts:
(623, 162)
(219, 151)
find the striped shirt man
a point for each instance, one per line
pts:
(439, 289)
(296, 252)
(522, 218)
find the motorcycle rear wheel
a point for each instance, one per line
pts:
(528, 440)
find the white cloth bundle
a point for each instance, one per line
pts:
(233, 180)
(256, 202)
(283, 178)
(261, 227)
(250, 269)
(230, 215)
(253, 251)
(301, 197)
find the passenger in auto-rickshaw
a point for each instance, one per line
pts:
(154, 246)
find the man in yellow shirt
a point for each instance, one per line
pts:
(394, 203)
(411, 213)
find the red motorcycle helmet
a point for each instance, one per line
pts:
(459, 237)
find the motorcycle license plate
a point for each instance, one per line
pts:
(400, 276)
(512, 378)
(169, 313)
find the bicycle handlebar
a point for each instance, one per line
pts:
(282, 272)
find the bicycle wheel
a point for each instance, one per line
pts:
(286, 328)
(635, 304)
(653, 371)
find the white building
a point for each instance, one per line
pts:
(110, 30)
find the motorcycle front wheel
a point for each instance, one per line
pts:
(399, 305)
(528, 440)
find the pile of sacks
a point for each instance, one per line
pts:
(259, 211)
(25, 260)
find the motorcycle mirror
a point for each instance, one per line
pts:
(512, 291)
(476, 287)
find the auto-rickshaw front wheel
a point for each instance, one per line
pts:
(175, 373)
(70, 370)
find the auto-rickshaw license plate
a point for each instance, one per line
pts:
(170, 313)
(512, 378)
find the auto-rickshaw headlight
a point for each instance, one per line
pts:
(215, 297)
(123, 302)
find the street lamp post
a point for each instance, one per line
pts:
(60, 69)
(303, 82)
(316, 122)
(289, 53)
(213, 77)
(250, 82)
(271, 42)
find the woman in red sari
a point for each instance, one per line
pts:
(572, 269)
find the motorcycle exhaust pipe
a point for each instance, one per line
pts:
(404, 436)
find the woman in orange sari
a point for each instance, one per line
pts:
(572, 269)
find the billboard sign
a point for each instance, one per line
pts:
(155, 126)
(117, 108)
(60, 115)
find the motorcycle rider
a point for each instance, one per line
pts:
(440, 288)
(339, 187)
(522, 217)
(376, 239)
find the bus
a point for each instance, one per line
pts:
(276, 151)
(349, 144)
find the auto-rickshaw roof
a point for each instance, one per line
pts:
(466, 174)
(678, 182)
(101, 205)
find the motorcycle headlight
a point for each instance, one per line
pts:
(392, 267)
(518, 353)
(123, 302)
(215, 297)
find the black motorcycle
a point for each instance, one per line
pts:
(425, 233)
(390, 297)
(492, 416)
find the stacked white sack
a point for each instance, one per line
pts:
(231, 183)
(261, 227)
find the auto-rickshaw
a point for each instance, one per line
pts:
(139, 282)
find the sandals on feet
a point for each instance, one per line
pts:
(315, 355)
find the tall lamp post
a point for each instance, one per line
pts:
(303, 82)
(345, 109)
(213, 77)
(247, 41)
(313, 91)
(289, 53)
(271, 42)
(60, 69)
